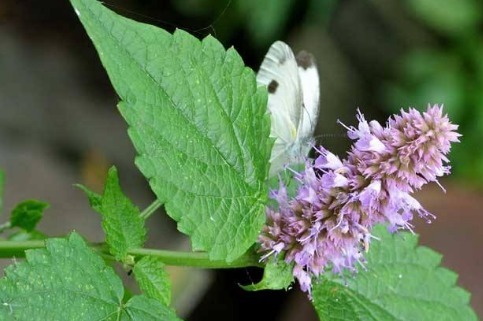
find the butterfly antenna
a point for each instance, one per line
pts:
(317, 137)
(331, 135)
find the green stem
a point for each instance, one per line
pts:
(151, 209)
(9, 249)
(196, 259)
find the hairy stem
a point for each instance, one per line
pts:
(196, 259)
(12, 249)
(151, 209)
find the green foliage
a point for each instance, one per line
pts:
(402, 282)
(266, 19)
(27, 214)
(142, 308)
(320, 11)
(153, 279)
(121, 219)
(452, 16)
(198, 123)
(277, 275)
(429, 76)
(68, 281)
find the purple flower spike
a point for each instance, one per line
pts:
(328, 223)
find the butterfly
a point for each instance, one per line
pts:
(293, 103)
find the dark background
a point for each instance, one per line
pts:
(59, 124)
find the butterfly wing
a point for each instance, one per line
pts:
(280, 73)
(309, 79)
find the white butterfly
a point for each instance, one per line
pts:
(293, 103)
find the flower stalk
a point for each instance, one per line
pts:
(16, 249)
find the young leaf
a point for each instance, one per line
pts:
(402, 282)
(95, 200)
(153, 279)
(68, 281)
(121, 219)
(27, 214)
(198, 122)
(277, 275)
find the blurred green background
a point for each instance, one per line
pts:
(59, 125)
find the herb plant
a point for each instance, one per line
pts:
(201, 130)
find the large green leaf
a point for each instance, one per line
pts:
(68, 281)
(403, 282)
(198, 123)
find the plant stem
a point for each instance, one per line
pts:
(196, 259)
(150, 209)
(10, 249)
